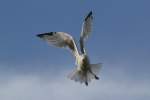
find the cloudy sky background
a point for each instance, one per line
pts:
(32, 70)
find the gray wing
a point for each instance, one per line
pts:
(86, 30)
(60, 39)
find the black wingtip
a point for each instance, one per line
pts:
(89, 14)
(39, 35)
(43, 34)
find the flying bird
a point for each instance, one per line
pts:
(84, 71)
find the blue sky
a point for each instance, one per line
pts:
(120, 40)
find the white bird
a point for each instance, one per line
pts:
(84, 71)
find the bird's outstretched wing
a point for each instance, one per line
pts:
(60, 39)
(87, 26)
(86, 30)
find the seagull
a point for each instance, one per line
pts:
(84, 71)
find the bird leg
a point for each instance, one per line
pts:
(96, 77)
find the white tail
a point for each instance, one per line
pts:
(78, 76)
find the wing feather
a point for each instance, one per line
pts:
(87, 26)
(60, 39)
(86, 30)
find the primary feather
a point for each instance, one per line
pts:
(87, 26)
(86, 30)
(60, 39)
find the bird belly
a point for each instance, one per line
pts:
(83, 65)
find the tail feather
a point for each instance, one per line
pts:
(78, 76)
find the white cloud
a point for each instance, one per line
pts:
(61, 88)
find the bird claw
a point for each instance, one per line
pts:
(96, 77)
(86, 83)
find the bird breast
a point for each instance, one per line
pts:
(82, 63)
